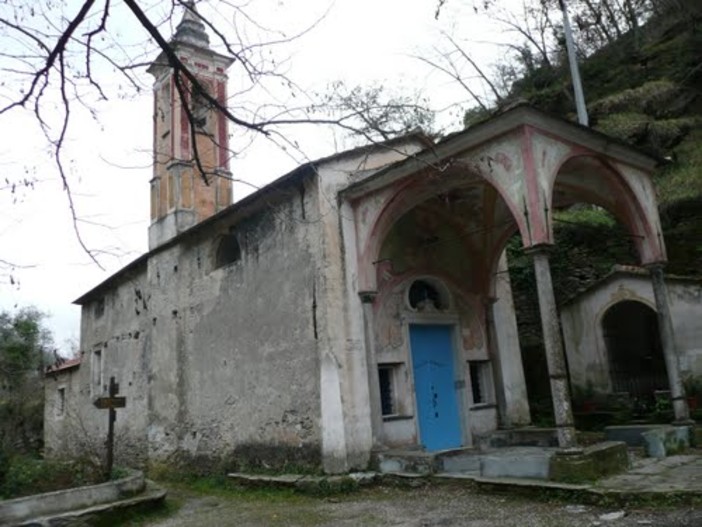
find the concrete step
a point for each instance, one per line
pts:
(408, 461)
(511, 462)
(464, 460)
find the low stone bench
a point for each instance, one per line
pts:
(666, 440)
(632, 435)
(592, 463)
(16, 511)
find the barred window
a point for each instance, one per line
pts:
(387, 390)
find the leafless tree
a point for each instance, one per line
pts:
(60, 57)
(376, 113)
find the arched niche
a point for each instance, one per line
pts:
(632, 339)
(228, 251)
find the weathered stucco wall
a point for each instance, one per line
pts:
(234, 367)
(347, 401)
(588, 359)
(114, 342)
(61, 390)
(260, 361)
(217, 364)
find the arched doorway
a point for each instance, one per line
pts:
(636, 361)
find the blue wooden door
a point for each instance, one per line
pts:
(437, 408)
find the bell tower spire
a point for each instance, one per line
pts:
(191, 179)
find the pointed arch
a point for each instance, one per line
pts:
(585, 177)
(395, 202)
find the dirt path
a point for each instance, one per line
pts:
(420, 507)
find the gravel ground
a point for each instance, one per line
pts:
(431, 506)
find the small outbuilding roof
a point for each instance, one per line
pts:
(62, 366)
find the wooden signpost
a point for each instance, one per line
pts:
(111, 403)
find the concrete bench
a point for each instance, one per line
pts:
(666, 440)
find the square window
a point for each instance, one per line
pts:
(480, 381)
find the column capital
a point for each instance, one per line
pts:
(367, 297)
(541, 248)
(655, 266)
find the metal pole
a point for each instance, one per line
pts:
(574, 70)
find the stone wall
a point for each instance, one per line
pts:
(219, 365)
(234, 368)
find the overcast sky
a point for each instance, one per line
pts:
(109, 155)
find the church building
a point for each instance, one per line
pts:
(356, 304)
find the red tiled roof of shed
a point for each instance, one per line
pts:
(63, 365)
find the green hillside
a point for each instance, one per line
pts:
(646, 89)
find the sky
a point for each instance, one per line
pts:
(107, 153)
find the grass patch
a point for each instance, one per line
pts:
(222, 486)
(586, 217)
(682, 178)
(135, 516)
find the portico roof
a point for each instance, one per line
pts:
(492, 128)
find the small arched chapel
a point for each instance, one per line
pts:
(356, 304)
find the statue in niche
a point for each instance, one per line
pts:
(425, 297)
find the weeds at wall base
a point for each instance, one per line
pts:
(220, 484)
(26, 475)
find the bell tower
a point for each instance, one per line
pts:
(191, 179)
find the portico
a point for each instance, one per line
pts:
(430, 232)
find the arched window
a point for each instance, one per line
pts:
(228, 251)
(201, 106)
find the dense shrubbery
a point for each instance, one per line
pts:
(25, 346)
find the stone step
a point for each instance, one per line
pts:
(514, 462)
(524, 462)
(302, 481)
(152, 496)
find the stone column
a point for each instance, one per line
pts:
(504, 339)
(672, 364)
(368, 298)
(555, 358)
